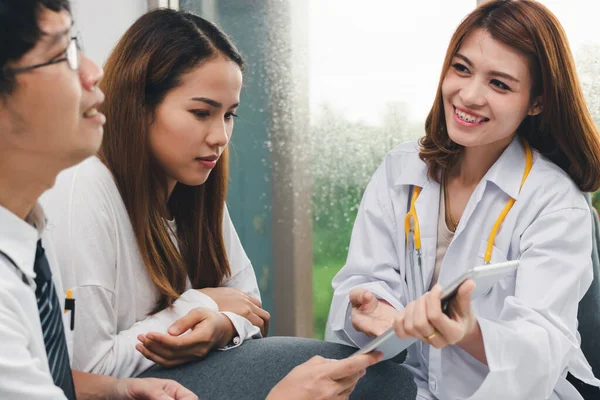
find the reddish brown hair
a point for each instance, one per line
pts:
(148, 62)
(564, 131)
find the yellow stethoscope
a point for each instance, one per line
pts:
(413, 237)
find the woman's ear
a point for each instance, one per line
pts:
(536, 107)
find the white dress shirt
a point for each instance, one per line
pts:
(99, 259)
(24, 370)
(528, 320)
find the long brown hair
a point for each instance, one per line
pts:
(148, 62)
(564, 131)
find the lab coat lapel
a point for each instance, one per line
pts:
(427, 207)
(470, 208)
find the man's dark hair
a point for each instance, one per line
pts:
(19, 32)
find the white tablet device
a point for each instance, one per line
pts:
(485, 276)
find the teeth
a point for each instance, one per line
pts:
(468, 117)
(92, 112)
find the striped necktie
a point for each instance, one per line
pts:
(52, 324)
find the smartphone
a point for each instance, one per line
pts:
(485, 276)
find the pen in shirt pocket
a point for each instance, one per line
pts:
(70, 306)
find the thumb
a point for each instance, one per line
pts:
(369, 302)
(363, 300)
(190, 320)
(463, 297)
(356, 297)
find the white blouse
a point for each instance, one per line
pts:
(99, 259)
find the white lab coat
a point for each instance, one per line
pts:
(528, 320)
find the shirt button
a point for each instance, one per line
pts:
(236, 340)
(433, 386)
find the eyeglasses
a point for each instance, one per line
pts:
(72, 56)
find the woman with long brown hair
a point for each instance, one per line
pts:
(509, 147)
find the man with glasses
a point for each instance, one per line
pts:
(48, 122)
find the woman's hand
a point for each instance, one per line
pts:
(370, 315)
(150, 389)
(236, 301)
(424, 319)
(95, 386)
(209, 329)
(320, 378)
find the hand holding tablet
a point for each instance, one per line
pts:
(484, 276)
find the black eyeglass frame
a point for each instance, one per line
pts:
(72, 57)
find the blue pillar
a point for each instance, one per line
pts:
(269, 192)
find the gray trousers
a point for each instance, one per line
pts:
(251, 370)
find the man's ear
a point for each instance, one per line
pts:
(536, 107)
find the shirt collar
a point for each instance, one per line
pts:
(409, 170)
(507, 172)
(18, 238)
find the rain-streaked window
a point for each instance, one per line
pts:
(374, 69)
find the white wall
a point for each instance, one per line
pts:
(102, 22)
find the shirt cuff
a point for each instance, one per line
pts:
(191, 299)
(244, 330)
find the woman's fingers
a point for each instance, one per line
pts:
(463, 298)
(253, 299)
(165, 362)
(409, 320)
(263, 314)
(190, 320)
(449, 328)
(399, 324)
(422, 327)
(264, 317)
(363, 300)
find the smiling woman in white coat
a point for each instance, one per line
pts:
(509, 147)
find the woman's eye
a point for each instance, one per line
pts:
(200, 113)
(499, 85)
(460, 68)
